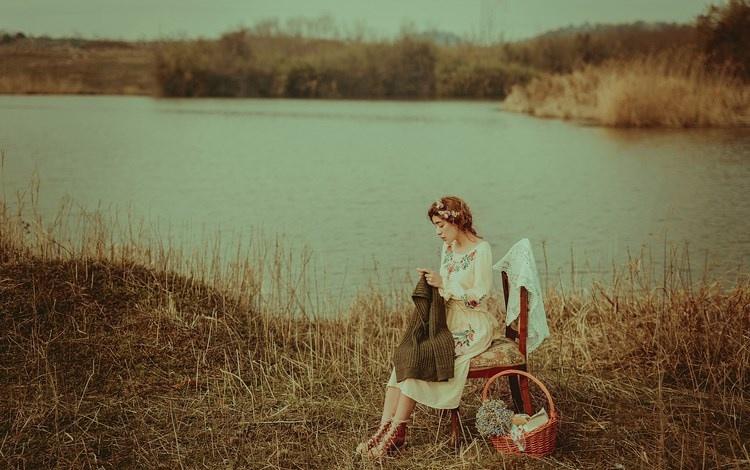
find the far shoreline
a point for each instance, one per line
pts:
(581, 121)
(638, 75)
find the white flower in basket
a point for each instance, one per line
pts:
(494, 418)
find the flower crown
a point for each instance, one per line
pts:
(449, 215)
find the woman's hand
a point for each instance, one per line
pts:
(433, 278)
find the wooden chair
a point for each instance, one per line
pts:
(508, 353)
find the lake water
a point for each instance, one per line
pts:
(352, 180)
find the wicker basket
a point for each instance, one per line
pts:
(538, 443)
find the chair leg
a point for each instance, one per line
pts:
(519, 390)
(454, 427)
(526, 396)
(515, 392)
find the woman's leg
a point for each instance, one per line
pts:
(390, 403)
(395, 437)
(404, 409)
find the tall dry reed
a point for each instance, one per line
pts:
(667, 90)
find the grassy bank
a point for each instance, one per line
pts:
(121, 352)
(670, 90)
(47, 66)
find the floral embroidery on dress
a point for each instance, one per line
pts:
(462, 263)
(473, 303)
(463, 339)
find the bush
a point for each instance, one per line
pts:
(565, 50)
(412, 69)
(725, 34)
(481, 81)
(302, 82)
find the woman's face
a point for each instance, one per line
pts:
(444, 229)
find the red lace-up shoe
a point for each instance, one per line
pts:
(365, 447)
(393, 441)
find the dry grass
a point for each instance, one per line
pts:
(32, 66)
(655, 91)
(117, 354)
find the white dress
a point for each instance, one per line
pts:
(467, 281)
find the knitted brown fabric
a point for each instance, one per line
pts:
(427, 350)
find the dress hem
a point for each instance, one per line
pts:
(426, 404)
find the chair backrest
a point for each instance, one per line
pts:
(523, 316)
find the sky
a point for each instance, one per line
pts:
(151, 19)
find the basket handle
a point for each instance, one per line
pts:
(486, 388)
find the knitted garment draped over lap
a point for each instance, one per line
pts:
(427, 349)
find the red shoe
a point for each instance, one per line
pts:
(392, 442)
(364, 447)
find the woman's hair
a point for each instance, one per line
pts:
(454, 210)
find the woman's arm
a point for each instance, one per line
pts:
(475, 294)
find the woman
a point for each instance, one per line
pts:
(464, 281)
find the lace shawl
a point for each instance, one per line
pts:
(520, 265)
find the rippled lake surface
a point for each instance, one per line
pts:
(352, 180)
